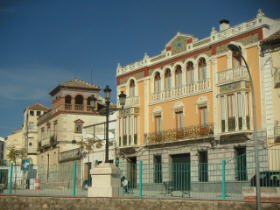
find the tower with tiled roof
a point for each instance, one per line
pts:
(72, 96)
(60, 129)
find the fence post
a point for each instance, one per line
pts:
(74, 179)
(224, 180)
(140, 179)
(11, 179)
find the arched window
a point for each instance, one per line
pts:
(68, 99)
(178, 77)
(167, 79)
(157, 82)
(79, 99)
(202, 69)
(79, 102)
(190, 73)
(132, 88)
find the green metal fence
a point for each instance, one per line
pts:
(64, 180)
(179, 178)
(222, 180)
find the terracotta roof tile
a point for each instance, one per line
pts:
(272, 38)
(76, 83)
(37, 106)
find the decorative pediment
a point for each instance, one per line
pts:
(179, 43)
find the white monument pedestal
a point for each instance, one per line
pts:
(105, 181)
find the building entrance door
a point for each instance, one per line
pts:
(181, 172)
(132, 172)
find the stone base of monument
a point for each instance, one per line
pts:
(105, 181)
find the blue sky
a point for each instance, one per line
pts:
(43, 43)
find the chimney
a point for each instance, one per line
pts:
(224, 24)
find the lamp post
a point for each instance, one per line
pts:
(122, 97)
(236, 51)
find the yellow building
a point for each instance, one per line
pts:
(192, 103)
(25, 138)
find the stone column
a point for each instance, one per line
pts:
(105, 181)
(244, 112)
(226, 113)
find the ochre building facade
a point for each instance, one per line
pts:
(193, 102)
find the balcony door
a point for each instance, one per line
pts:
(158, 128)
(179, 125)
(203, 120)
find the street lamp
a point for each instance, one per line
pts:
(92, 99)
(236, 52)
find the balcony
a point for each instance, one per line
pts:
(277, 78)
(53, 140)
(232, 75)
(187, 90)
(131, 101)
(79, 107)
(74, 154)
(68, 106)
(185, 133)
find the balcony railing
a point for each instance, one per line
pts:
(130, 101)
(184, 133)
(232, 75)
(79, 107)
(68, 106)
(73, 154)
(277, 78)
(187, 90)
(89, 108)
(53, 140)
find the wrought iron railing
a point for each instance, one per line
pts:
(184, 133)
(53, 140)
(232, 75)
